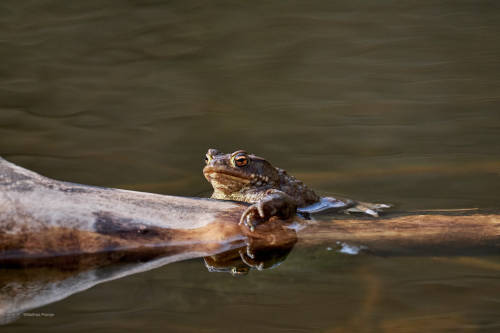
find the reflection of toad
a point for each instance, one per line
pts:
(244, 177)
(240, 261)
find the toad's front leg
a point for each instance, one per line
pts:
(274, 203)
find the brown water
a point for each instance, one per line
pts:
(393, 101)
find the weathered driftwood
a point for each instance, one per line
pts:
(44, 218)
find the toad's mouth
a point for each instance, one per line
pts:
(223, 175)
(226, 181)
(232, 180)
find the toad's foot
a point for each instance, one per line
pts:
(275, 203)
(346, 205)
(327, 204)
(367, 208)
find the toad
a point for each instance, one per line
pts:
(271, 191)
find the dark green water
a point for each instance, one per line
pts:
(390, 101)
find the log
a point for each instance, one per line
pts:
(43, 218)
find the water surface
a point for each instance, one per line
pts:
(394, 101)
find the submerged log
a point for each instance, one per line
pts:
(440, 232)
(45, 218)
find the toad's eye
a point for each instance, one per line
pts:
(208, 158)
(240, 160)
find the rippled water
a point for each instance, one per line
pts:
(395, 101)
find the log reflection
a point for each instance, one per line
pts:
(28, 283)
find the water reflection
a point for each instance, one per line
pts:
(62, 276)
(25, 289)
(22, 290)
(254, 255)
